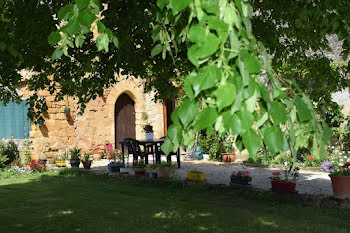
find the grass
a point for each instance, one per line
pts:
(68, 202)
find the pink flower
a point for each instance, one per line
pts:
(246, 173)
(234, 172)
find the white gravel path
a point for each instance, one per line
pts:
(313, 183)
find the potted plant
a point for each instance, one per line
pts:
(288, 183)
(151, 171)
(195, 175)
(241, 177)
(66, 110)
(339, 172)
(60, 160)
(228, 156)
(86, 161)
(139, 167)
(164, 170)
(115, 161)
(149, 132)
(75, 157)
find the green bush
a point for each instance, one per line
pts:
(8, 152)
(216, 145)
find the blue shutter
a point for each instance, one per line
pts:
(14, 121)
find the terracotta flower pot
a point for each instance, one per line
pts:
(283, 186)
(228, 158)
(341, 186)
(87, 164)
(163, 172)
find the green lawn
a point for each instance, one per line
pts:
(58, 203)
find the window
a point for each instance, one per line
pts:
(14, 121)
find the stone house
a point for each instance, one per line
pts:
(123, 112)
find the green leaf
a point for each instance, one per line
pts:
(73, 27)
(326, 132)
(192, 54)
(209, 47)
(225, 95)
(251, 141)
(79, 41)
(161, 3)
(187, 112)
(54, 38)
(115, 42)
(232, 122)
(246, 118)
(209, 76)
(278, 113)
(273, 139)
(65, 12)
(206, 118)
(304, 112)
(167, 146)
(100, 27)
(262, 120)
(102, 42)
(82, 4)
(210, 6)
(57, 53)
(188, 85)
(251, 62)
(86, 17)
(156, 50)
(197, 33)
(175, 134)
(179, 5)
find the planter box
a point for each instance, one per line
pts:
(228, 158)
(341, 186)
(164, 172)
(196, 176)
(282, 186)
(238, 180)
(114, 167)
(60, 163)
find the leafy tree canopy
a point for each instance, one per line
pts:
(154, 40)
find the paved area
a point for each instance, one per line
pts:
(309, 182)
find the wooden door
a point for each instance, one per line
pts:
(168, 109)
(124, 119)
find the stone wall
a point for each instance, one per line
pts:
(97, 125)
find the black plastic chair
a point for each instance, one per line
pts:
(134, 148)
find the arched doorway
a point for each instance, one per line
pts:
(124, 115)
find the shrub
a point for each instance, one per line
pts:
(8, 150)
(27, 152)
(37, 166)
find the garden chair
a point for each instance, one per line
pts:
(134, 148)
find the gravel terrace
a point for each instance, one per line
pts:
(309, 182)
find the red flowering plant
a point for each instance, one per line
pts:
(37, 166)
(114, 155)
(291, 174)
(244, 175)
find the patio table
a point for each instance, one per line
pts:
(155, 149)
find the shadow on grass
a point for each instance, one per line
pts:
(70, 202)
